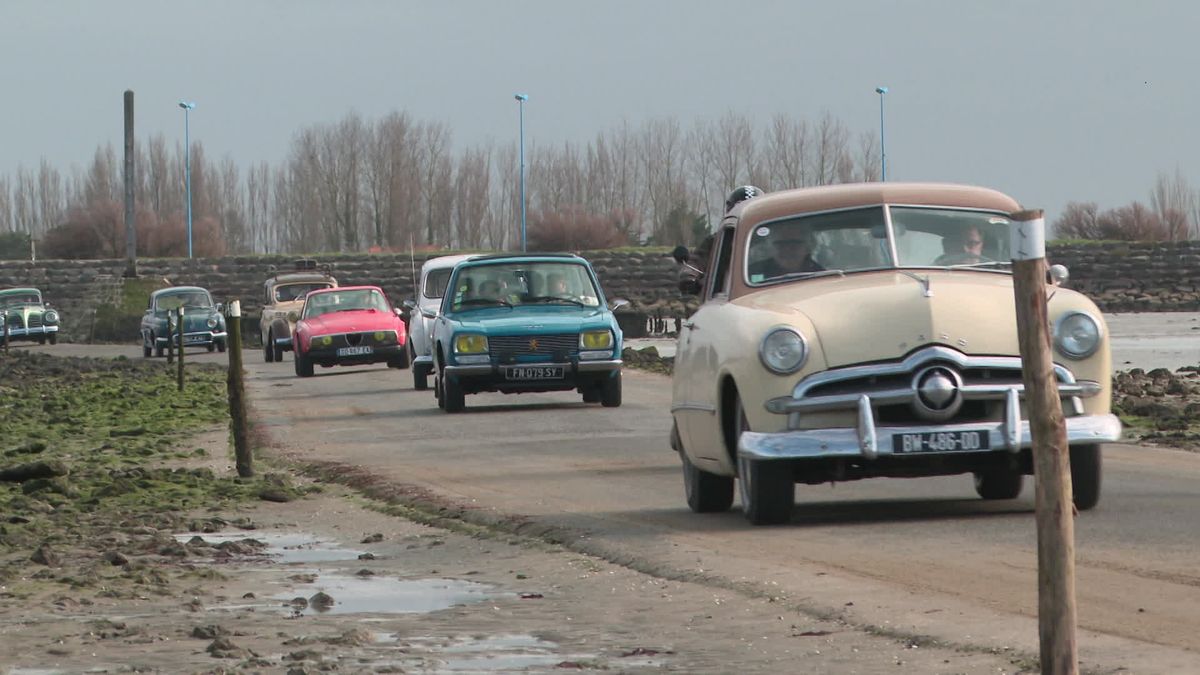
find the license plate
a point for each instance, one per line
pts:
(941, 441)
(534, 373)
(354, 351)
(189, 339)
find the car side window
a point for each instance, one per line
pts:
(721, 257)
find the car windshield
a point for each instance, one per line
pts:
(290, 292)
(169, 301)
(524, 283)
(853, 240)
(357, 299)
(19, 299)
(435, 282)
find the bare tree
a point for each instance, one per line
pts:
(472, 186)
(1173, 200)
(829, 152)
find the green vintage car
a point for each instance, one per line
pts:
(27, 316)
(203, 321)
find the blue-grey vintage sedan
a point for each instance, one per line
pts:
(203, 324)
(517, 323)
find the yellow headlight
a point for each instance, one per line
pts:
(380, 335)
(470, 344)
(325, 340)
(596, 339)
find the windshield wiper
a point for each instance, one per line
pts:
(809, 275)
(484, 301)
(989, 263)
(554, 298)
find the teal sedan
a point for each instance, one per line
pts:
(519, 323)
(203, 323)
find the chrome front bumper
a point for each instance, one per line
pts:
(568, 367)
(14, 333)
(869, 441)
(191, 338)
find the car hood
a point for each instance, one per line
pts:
(882, 315)
(354, 321)
(539, 321)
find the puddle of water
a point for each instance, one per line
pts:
(495, 653)
(354, 595)
(288, 547)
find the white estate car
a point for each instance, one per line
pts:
(855, 331)
(430, 289)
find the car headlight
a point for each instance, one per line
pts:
(50, 317)
(783, 350)
(470, 344)
(212, 322)
(1077, 335)
(325, 340)
(596, 339)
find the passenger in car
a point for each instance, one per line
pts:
(964, 247)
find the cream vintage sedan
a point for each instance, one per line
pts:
(866, 330)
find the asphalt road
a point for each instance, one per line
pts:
(922, 555)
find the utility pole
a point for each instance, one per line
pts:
(130, 180)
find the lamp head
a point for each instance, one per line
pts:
(881, 90)
(187, 105)
(521, 97)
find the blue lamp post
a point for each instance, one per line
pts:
(187, 164)
(521, 99)
(882, 144)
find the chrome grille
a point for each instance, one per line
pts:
(15, 320)
(534, 345)
(35, 321)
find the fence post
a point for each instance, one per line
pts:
(1051, 458)
(170, 337)
(237, 393)
(4, 320)
(180, 322)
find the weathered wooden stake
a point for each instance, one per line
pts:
(4, 320)
(170, 337)
(180, 322)
(237, 393)
(1051, 458)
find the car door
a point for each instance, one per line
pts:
(696, 403)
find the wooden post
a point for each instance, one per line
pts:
(4, 320)
(1051, 459)
(237, 393)
(170, 337)
(180, 322)
(128, 177)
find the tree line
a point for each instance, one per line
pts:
(395, 182)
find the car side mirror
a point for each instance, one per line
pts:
(429, 313)
(399, 312)
(1058, 274)
(617, 303)
(411, 304)
(220, 308)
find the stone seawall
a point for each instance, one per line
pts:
(1120, 277)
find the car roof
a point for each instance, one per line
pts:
(178, 289)
(292, 277)
(444, 261)
(339, 289)
(26, 289)
(848, 195)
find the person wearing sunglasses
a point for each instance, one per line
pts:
(964, 247)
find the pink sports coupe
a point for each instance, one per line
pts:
(346, 326)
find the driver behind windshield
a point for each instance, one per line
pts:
(791, 252)
(964, 247)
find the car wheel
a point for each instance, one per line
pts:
(591, 394)
(420, 379)
(453, 398)
(1086, 475)
(437, 390)
(768, 494)
(706, 492)
(158, 349)
(41, 339)
(269, 349)
(999, 483)
(212, 347)
(146, 348)
(610, 391)
(304, 366)
(400, 361)
(221, 346)
(52, 338)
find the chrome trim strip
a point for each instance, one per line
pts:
(570, 369)
(1012, 420)
(972, 392)
(597, 366)
(846, 443)
(867, 440)
(481, 369)
(699, 407)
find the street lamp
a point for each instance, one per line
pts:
(521, 99)
(882, 145)
(187, 163)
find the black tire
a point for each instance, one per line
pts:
(591, 394)
(999, 483)
(158, 349)
(221, 346)
(41, 340)
(304, 366)
(453, 398)
(212, 347)
(610, 391)
(706, 492)
(400, 361)
(768, 494)
(146, 348)
(52, 338)
(269, 349)
(1086, 475)
(437, 390)
(420, 379)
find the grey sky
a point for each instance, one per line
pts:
(1048, 101)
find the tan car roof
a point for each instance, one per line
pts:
(784, 203)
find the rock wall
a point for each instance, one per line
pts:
(1120, 277)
